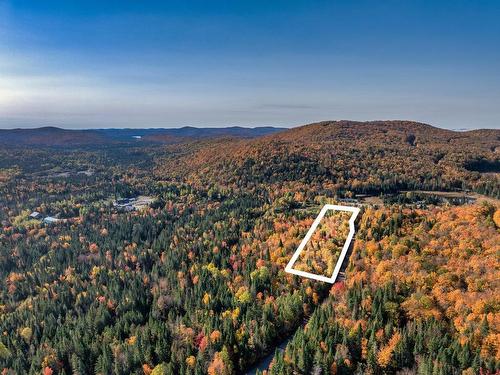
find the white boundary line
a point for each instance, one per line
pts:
(326, 207)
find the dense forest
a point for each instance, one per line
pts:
(421, 296)
(321, 252)
(194, 283)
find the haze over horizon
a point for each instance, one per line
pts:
(228, 126)
(127, 64)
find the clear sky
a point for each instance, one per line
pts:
(137, 63)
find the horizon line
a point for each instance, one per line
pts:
(284, 127)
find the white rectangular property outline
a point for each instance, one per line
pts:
(326, 207)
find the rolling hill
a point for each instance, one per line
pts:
(365, 157)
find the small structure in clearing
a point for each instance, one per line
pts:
(131, 204)
(51, 220)
(35, 215)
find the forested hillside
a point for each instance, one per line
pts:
(194, 281)
(420, 298)
(347, 156)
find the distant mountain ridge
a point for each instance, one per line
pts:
(49, 136)
(54, 136)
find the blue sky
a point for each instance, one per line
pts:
(88, 64)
